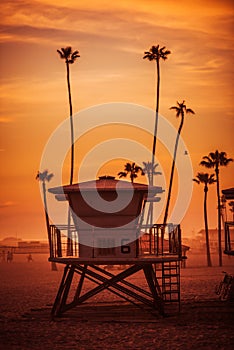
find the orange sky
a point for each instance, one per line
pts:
(111, 38)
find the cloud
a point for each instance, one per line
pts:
(7, 204)
(5, 120)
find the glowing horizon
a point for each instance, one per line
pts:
(111, 39)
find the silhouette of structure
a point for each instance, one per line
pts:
(229, 225)
(101, 238)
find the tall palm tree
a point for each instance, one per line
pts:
(132, 169)
(206, 179)
(156, 53)
(216, 160)
(231, 204)
(180, 110)
(70, 57)
(43, 178)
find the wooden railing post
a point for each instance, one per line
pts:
(59, 245)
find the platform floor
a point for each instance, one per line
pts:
(115, 261)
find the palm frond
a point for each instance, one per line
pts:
(205, 178)
(211, 179)
(206, 164)
(207, 158)
(197, 181)
(49, 177)
(155, 53)
(189, 110)
(122, 174)
(61, 54)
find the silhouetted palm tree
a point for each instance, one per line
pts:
(206, 179)
(156, 53)
(43, 178)
(180, 110)
(216, 160)
(150, 171)
(70, 57)
(132, 169)
(231, 204)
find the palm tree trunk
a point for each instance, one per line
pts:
(47, 216)
(151, 182)
(71, 124)
(219, 219)
(156, 114)
(172, 171)
(206, 228)
(69, 240)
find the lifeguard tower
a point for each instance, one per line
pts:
(100, 238)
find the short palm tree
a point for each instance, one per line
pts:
(156, 53)
(70, 57)
(180, 110)
(43, 178)
(216, 160)
(206, 179)
(150, 171)
(132, 169)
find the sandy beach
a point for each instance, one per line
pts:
(106, 322)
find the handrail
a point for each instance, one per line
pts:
(157, 240)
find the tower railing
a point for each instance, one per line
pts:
(157, 241)
(160, 240)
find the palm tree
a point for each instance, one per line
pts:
(70, 57)
(206, 179)
(156, 53)
(181, 110)
(132, 169)
(150, 170)
(231, 204)
(45, 177)
(215, 160)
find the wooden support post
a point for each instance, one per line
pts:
(56, 306)
(80, 284)
(67, 286)
(151, 279)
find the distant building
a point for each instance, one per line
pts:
(198, 242)
(32, 247)
(213, 240)
(18, 246)
(9, 242)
